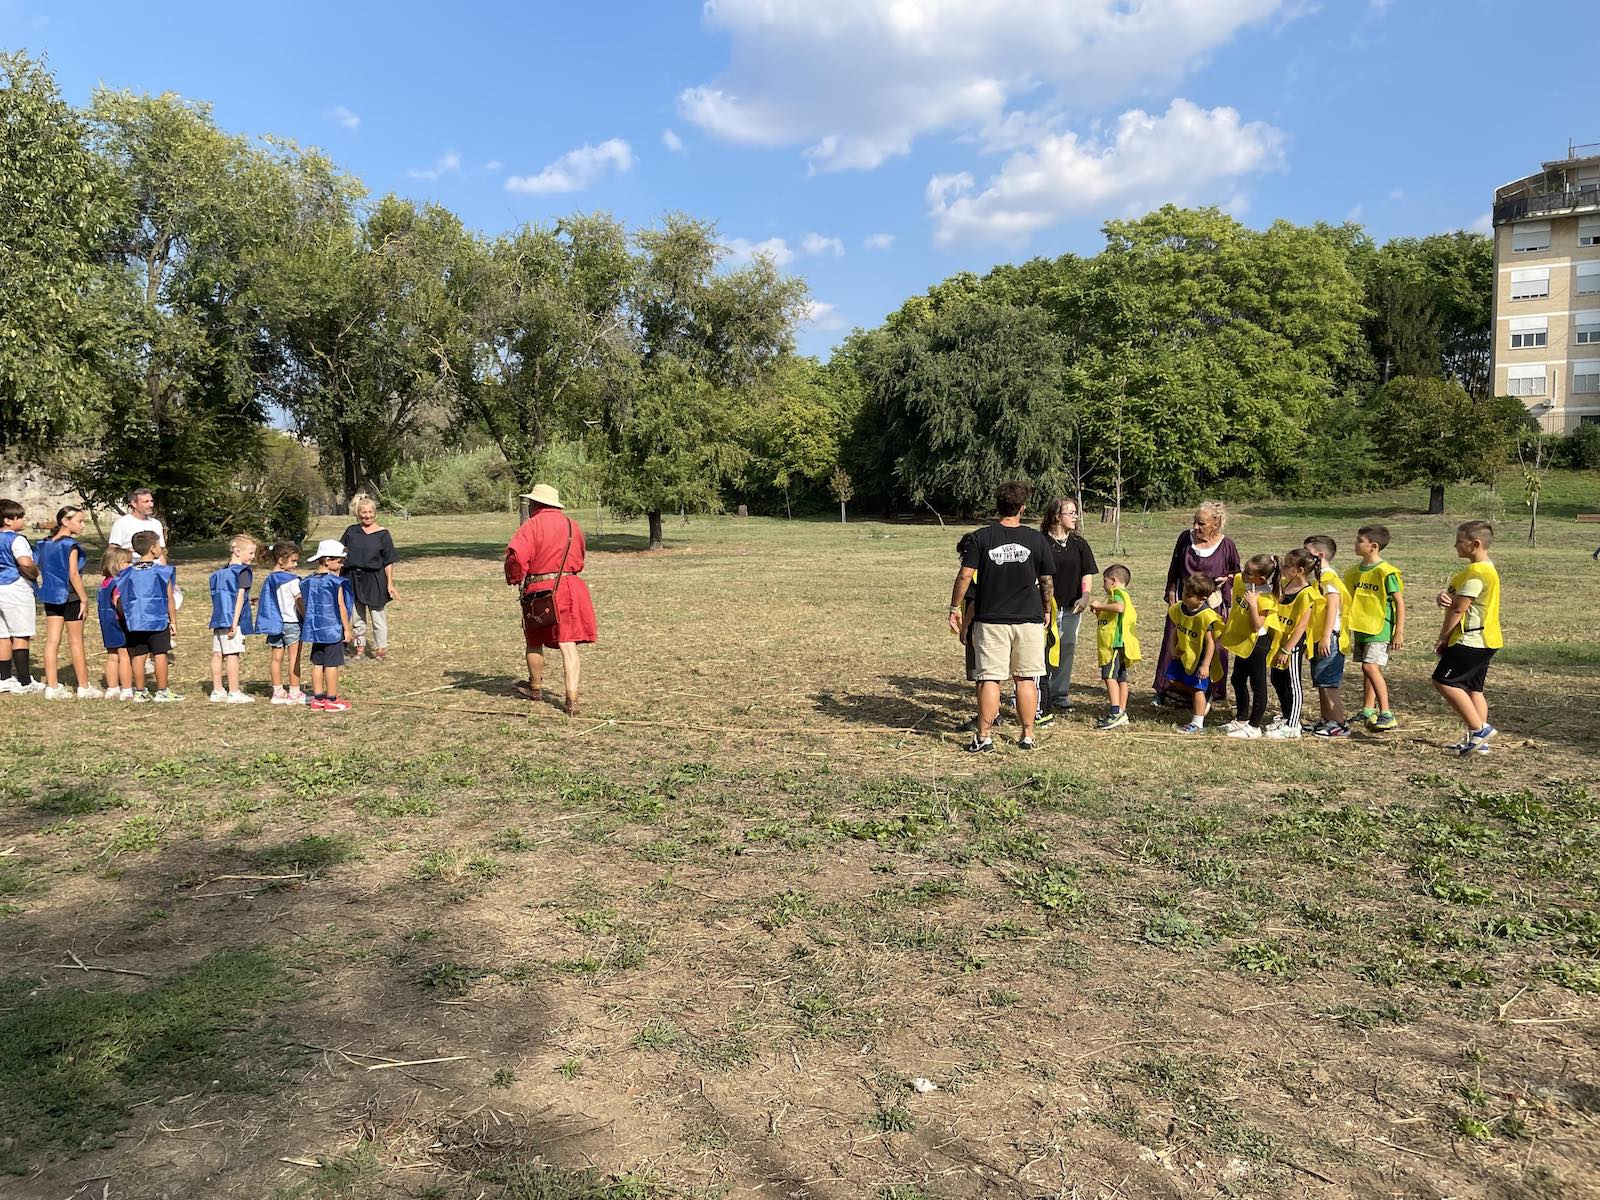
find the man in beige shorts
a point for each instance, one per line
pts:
(1012, 570)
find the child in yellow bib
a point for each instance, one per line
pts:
(1248, 637)
(1330, 638)
(1297, 599)
(1377, 622)
(1470, 636)
(1195, 625)
(1117, 639)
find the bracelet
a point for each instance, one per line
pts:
(954, 609)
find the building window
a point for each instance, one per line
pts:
(1530, 236)
(1588, 281)
(1589, 231)
(1525, 385)
(1589, 419)
(1583, 384)
(1586, 333)
(1530, 340)
(1537, 289)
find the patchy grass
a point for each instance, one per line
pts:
(74, 1060)
(762, 872)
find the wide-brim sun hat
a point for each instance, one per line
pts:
(544, 494)
(328, 548)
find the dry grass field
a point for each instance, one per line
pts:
(754, 926)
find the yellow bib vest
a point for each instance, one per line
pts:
(1484, 616)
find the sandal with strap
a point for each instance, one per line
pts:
(524, 690)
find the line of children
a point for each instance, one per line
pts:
(1298, 606)
(137, 603)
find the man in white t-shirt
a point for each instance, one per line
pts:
(141, 504)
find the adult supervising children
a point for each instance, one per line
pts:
(139, 518)
(1015, 568)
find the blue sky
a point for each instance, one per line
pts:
(876, 146)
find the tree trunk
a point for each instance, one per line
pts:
(788, 513)
(348, 452)
(655, 530)
(1533, 522)
(1435, 499)
(842, 520)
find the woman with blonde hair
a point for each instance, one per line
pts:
(1202, 549)
(369, 566)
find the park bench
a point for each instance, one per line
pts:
(1589, 518)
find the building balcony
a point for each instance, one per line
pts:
(1585, 199)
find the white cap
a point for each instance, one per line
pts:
(328, 548)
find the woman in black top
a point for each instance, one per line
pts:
(369, 564)
(1075, 572)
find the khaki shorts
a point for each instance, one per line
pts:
(1376, 653)
(1007, 651)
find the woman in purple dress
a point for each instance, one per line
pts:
(1205, 550)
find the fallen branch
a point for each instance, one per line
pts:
(78, 964)
(417, 1062)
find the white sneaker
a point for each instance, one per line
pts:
(280, 696)
(1231, 726)
(1283, 732)
(1245, 730)
(60, 692)
(32, 688)
(89, 692)
(128, 694)
(10, 686)
(240, 698)
(218, 696)
(166, 696)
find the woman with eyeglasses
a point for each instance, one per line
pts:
(1202, 549)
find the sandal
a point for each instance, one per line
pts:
(572, 707)
(524, 690)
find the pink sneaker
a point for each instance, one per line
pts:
(296, 696)
(316, 705)
(336, 705)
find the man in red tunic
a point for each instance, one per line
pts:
(546, 554)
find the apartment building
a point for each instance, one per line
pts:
(1547, 291)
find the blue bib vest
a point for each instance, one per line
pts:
(226, 584)
(322, 625)
(270, 617)
(54, 557)
(8, 559)
(112, 635)
(144, 596)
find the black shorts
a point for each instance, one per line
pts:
(71, 610)
(1464, 667)
(327, 654)
(157, 641)
(1116, 668)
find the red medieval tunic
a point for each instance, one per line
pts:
(535, 549)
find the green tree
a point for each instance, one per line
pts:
(1430, 429)
(795, 423)
(202, 217)
(968, 400)
(1450, 277)
(699, 335)
(552, 336)
(61, 307)
(378, 329)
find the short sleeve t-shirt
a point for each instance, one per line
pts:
(288, 593)
(1074, 560)
(125, 526)
(1010, 562)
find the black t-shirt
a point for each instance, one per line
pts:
(1009, 563)
(1074, 560)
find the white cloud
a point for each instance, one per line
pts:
(742, 251)
(340, 115)
(814, 244)
(1397, 194)
(494, 164)
(576, 169)
(822, 316)
(1354, 215)
(671, 141)
(1184, 155)
(879, 241)
(854, 82)
(1484, 224)
(447, 163)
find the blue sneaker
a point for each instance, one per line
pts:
(1191, 727)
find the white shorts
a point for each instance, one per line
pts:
(221, 643)
(17, 610)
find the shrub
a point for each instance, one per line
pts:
(465, 482)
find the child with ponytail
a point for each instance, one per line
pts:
(1296, 601)
(1248, 637)
(65, 604)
